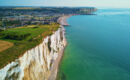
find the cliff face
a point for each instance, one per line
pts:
(39, 63)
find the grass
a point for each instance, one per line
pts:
(23, 38)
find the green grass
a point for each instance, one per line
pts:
(23, 38)
(0, 23)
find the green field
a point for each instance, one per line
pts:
(23, 38)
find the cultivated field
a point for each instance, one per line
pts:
(5, 45)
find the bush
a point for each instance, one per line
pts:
(15, 36)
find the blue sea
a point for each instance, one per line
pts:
(98, 46)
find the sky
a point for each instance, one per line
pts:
(70, 3)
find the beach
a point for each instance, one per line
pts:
(63, 20)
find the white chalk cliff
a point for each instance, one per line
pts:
(38, 63)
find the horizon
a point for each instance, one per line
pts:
(68, 7)
(68, 3)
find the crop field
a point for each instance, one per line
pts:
(5, 45)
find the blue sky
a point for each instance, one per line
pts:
(72, 3)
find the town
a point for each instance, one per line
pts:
(11, 17)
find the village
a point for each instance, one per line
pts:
(26, 19)
(17, 17)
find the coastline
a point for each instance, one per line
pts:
(50, 71)
(39, 62)
(54, 70)
(63, 22)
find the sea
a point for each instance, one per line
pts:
(98, 46)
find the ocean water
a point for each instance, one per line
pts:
(98, 46)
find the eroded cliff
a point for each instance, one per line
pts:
(39, 63)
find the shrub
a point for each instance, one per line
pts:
(15, 36)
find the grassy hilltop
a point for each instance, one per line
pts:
(18, 40)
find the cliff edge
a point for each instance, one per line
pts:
(38, 63)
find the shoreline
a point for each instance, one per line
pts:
(55, 68)
(49, 71)
(63, 20)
